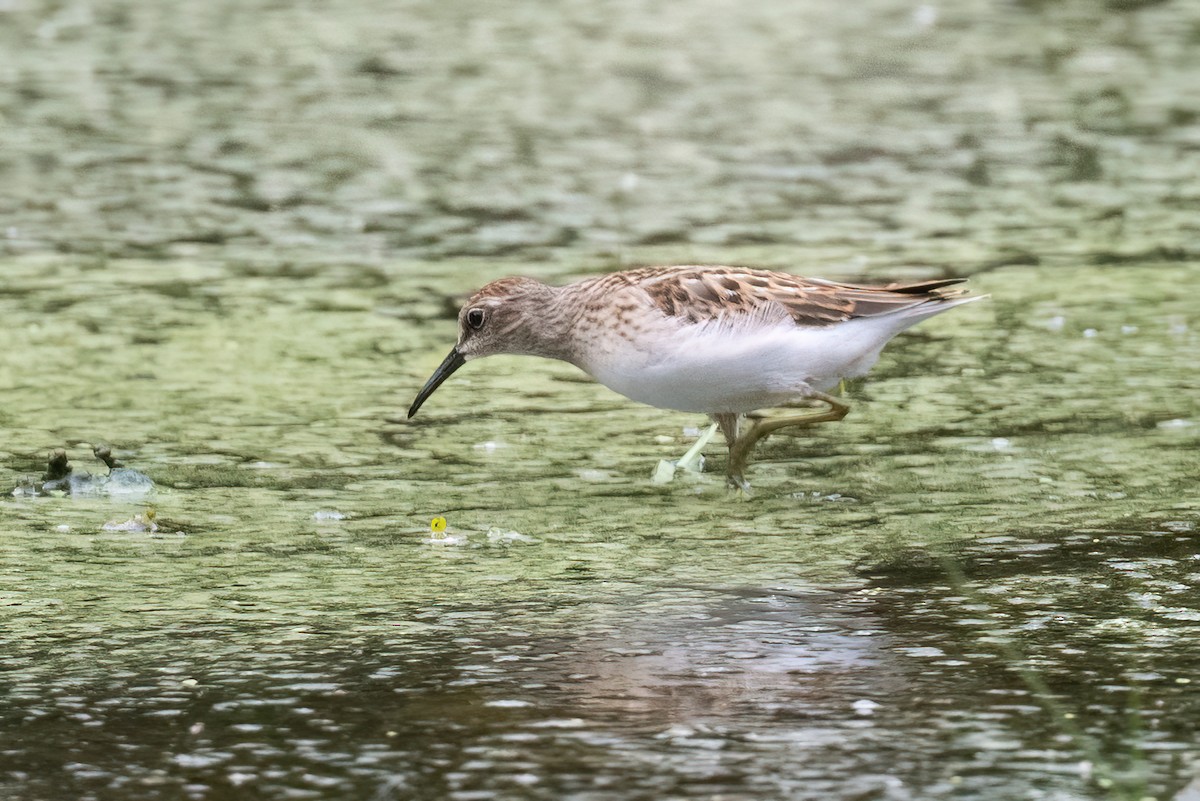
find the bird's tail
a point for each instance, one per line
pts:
(938, 301)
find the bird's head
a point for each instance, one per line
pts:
(503, 317)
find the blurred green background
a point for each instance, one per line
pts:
(233, 237)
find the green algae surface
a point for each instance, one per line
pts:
(235, 240)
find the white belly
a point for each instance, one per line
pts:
(713, 369)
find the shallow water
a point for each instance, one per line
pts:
(235, 242)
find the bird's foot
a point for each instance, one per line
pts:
(739, 456)
(758, 427)
(738, 485)
(692, 461)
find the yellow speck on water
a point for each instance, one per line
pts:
(437, 525)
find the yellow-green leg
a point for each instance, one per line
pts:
(742, 436)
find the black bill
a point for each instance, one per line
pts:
(444, 371)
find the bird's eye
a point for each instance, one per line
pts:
(475, 318)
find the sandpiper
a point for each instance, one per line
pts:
(725, 341)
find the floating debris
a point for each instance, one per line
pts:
(61, 477)
(501, 536)
(439, 536)
(142, 522)
(865, 706)
(833, 497)
(104, 454)
(58, 467)
(124, 481)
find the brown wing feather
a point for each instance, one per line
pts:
(710, 293)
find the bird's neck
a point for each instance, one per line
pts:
(548, 324)
(574, 321)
